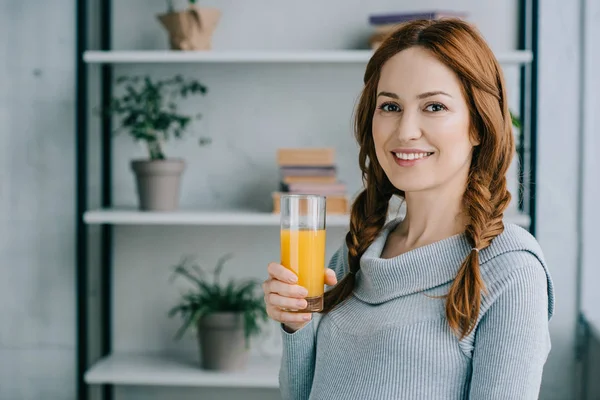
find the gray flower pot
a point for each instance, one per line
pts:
(158, 183)
(222, 343)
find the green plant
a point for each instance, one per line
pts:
(148, 110)
(515, 120)
(210, 297)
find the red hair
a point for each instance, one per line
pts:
(461, 47)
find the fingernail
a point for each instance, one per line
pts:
(303, 291)
(306, 317)
(293, 278)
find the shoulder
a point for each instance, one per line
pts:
(513, 260)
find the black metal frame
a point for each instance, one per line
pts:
(527, 150)
(106, 185)
(81, 173)
(528, 39)
(82, 234)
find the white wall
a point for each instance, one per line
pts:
(37, 193)
(590, 300)
(591, 167)
(557, 181)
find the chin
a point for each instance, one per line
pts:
(411, 184)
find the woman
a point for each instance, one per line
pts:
(449, 302)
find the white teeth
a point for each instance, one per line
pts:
(412, 156)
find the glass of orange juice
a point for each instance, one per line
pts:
(303, 244)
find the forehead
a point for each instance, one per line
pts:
(416, 70)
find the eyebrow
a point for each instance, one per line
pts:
(420, 96)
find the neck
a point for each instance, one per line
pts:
(433, 215)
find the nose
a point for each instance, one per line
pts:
(408, 127)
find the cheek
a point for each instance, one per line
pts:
(381, 129)
(451, 138)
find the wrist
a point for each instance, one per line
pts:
(292, 327)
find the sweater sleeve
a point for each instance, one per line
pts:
(299, 349)
(512, 340)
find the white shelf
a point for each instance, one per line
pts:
(160, 370)
(218, 218)
(266, 56)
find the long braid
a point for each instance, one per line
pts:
(485, 200)
(368, 216)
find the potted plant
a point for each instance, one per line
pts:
(190, 29)
(226, 315)
(147, 110)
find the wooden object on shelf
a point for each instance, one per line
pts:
(326, 189)
(393, 19)
(191, 29)
(297, 157)
(385, 24)
(336, 204)
(289, 180)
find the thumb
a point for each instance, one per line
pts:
(330, 278)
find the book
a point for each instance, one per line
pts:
(306, 156)
(308, 171)
(397, 18)
(308, 179)
(386, 29)
(335, 204)
(315, 188)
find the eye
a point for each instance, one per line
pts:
(435, 107)
(389, 107)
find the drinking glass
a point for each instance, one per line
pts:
(303, 244)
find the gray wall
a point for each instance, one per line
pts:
(37, 210)
(589, 197)
(591, 166)
(559, 131)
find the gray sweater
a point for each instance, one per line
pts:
(391, 341)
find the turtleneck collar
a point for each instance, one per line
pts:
(380, 280)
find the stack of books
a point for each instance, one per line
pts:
(311, 171)
(384, 24)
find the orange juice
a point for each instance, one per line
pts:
(303, 252)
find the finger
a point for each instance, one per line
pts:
(265, 285)
(281, 273)
(287, 290)
(291, 303)
(330, 277)
(285, 317)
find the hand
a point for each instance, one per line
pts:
(281, 291)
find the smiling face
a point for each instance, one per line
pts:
(421, 123)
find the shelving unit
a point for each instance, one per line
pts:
(208, 217)
(240, 56)
(149, 369)
(219, 218)
(161, 370)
